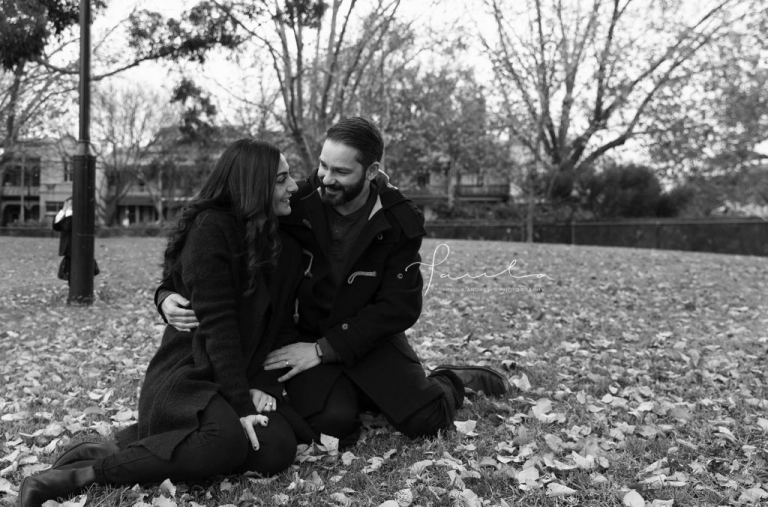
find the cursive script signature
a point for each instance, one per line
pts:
(431, 267)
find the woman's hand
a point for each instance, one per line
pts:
(297, 356)
(262, 401)
(248, 422)
(178, 314)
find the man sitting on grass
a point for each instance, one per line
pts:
(362, 288)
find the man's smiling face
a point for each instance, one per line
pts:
(343, 180)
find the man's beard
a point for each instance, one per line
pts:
(346, 195)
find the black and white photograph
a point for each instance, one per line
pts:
(387, 253)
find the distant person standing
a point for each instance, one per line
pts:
(63, 224)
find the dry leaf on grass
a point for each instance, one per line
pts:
(555, 489)
(633, 499)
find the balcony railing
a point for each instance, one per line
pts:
(9, 191)
(498, 190)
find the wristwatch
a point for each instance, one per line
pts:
(319, 351)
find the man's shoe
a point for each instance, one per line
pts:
(478, 379)
(51, 484)
(86, 451)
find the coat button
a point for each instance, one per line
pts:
(399, 276)
(345, 326)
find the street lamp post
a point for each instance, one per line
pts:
(84, 178)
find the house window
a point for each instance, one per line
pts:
(32, 174)
(26, 174)
(12, 176)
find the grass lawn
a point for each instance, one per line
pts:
(640, 379)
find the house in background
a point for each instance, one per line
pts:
(444, 185)
(36, 181)
(436, 190)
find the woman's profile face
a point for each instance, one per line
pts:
(284, 188)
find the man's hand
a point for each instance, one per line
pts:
(262, 401)
(178, 314)
(248, 422)
(297, 356)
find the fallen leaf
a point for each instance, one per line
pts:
(466, 427)
(418, 467)
(633, 499)
(168, 487)
(521, 382)
(123, 416)
(9, 469)
(330, 443)
(585, 463)
(341, 499)
(530, 474)
(53, 430)
(553, 442)
(78, 501)
(162, 501)
(555, 489)
(7, 487)
(645, 406)
(404, 497)
(314, 483)
(347, 458)
(374, 464)
(753, 495)
(280, 499)
(470, 499)
(247, 497)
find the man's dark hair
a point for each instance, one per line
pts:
(361, 134)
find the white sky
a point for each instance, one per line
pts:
(428, 14)
(439, 15)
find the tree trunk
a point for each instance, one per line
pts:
(110, 212)
(11, 128)
(307, 157)
(531, 208)
(450, 187)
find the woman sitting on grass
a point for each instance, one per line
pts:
(205, 395)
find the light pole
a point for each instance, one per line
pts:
(84, 178)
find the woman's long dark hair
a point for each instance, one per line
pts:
(242, 183)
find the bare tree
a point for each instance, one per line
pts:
(579, 79)
(320, 54)
(126, 123)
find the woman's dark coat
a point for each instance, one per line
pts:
(226, 352)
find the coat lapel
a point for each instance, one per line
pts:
(377, 224)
